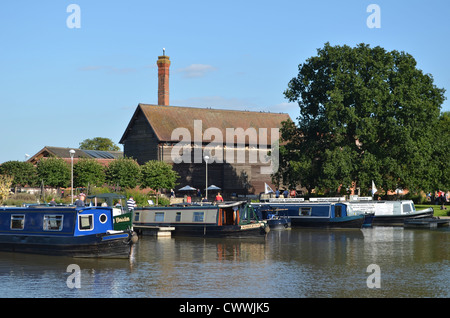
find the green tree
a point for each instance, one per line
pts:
(296, 167)
(365, 114)
(158, 175)
(99, 143)
(123, 172)
(23, 173)
(55, 172)
(441, 162)
(88, 172)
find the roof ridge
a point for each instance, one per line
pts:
(215, 109)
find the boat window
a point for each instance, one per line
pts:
(304, 212)
(178, 217)
(136, 216)
(337, 211)
(53, 222)
(406, 207)
(159, 216)
(103, 218)
(17, 222)
(198, 216)
(85, 222)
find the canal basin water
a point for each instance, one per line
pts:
(295, 263)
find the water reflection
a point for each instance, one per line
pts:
(286, 264)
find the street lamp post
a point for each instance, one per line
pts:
(206, 160)
(72, 152)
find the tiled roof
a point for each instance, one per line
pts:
(165, 119)
(79, 153)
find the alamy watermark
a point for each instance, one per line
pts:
(73, 21)
(236, 146)
(74, 279)
(374, 279)
(374, 19)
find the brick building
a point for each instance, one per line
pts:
(236, 142)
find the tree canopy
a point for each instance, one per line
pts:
(99, 143)
(365, 114)
(54, 172)
(88, 172)
(23, 173)
(123, 172)
(158, 175)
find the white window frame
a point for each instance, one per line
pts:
(47, 218)
(79, 222)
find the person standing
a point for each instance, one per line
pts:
(131, 204)
(219, 197)
(79, 203)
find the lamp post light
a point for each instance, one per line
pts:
(71, 152)
(206, 160)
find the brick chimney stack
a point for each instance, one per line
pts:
(163, 79)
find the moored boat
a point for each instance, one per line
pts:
(228, 219)
(317, 214)
(271, 216)
(391, 213)
(65, 231)
(420, 223)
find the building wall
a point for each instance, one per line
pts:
(141, 143)
(232, 177)
(244, 177)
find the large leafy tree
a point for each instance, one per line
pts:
(88, 172)
(441, 173)
(365, 114)
(158, 175)
(123, 172)
(23, 173)
(54, 172)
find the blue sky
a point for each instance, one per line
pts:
(61, 85)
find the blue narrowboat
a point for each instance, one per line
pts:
(66, 231)
(320, 215)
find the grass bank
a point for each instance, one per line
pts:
(436, 208)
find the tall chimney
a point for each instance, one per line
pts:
(163, 79)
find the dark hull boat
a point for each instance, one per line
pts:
(421, 223)
(232, 219)
(279, 223)
(346, 222)
(99, 245)
(64, 231)
(317, 215)
(271, 216)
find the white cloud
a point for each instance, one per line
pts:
(196, 70)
